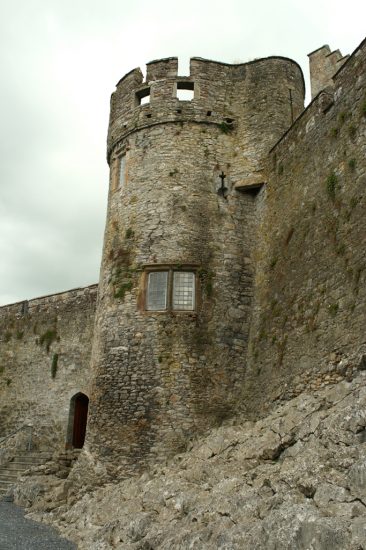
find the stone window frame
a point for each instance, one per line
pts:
(171, 269)
(143, 96)
(121, 182)
(187, 85)
(116, 183)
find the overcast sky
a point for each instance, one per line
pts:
(60, 61)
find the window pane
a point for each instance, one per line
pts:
(183, 290)
(122, 170)
(157, 290)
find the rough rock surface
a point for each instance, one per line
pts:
(294, 480)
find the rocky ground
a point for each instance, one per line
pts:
(294, 480)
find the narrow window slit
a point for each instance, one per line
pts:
(122, 170)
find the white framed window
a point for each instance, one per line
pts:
(171, 290)
(157, 291)
(184, 290)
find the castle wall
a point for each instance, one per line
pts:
(161, 377)
(45, 347)
(309, 320)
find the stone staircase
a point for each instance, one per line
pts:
(12, 471)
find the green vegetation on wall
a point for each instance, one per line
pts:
(48, 338)
(331, 185)
(54, 365)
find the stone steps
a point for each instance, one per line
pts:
(7, 475)
(11, 472)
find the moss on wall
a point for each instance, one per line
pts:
(311, 266)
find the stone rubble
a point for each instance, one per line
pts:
(293, 480)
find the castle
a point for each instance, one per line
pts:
(233, 269)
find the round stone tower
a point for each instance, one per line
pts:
(169, 355)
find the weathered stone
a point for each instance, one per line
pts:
(170, 212)
(51, 343)
(357, 479)
(310, 290)
(218, 496)
(276, 334)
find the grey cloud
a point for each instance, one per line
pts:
(60, 61)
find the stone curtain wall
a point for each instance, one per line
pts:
(45, 347)
(310, 316)
(160, 378)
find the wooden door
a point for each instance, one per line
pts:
(80, 420)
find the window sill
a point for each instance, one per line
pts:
(171, 313)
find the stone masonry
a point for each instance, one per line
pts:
(160, 377)
(308, 327)
(262, 203)
(44, 362)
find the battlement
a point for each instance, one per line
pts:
(324, 64)
(217, 90)
(49, 301)
(162, 68)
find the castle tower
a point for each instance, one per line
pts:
(175, 288)
(324, 64)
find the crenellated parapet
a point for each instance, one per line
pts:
(324, 64)
(220, 94)
(136, 104)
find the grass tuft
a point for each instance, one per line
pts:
(331, 185)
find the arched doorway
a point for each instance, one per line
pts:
(77, 421)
